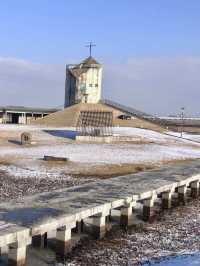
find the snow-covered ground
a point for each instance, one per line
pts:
(104, 154)
(143, 133)
(33, 175)
(194, 137)
(155, 136)
(44, 132)
(26, 161)
(13, 127)
(89, 154)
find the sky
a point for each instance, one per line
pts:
(150, 51)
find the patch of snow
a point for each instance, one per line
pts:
(107, 154)
(148, 134)
(27, 160)
(194, 137)
(33, 172)
(13, 127)
(152, 135)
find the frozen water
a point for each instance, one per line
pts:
(187, 260)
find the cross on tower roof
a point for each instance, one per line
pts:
(90, 45)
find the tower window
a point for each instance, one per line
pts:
(85, 99)
(90, 84)
(96, 85)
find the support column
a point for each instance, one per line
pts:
(25, 118)
(182, 196)
(17, 255)
(5, 117)
(63, 242)
(127, 214)
(194, 189)
(79, 227)
(39, 241)
(51, 234)
(99, 226)
(4, 252)
(148, 211)
(166, 200)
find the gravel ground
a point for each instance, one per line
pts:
(174, 232)
(12, 187)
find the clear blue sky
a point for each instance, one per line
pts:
(51, 30)
(150, 50)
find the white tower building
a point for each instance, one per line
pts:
(83, 82)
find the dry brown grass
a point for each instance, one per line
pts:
(113, 170)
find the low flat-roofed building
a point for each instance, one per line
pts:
(22, 115)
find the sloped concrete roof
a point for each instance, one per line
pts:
(84, 66)
(69, 116)
(90, 61)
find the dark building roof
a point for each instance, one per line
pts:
(27, 109)
(126, 109)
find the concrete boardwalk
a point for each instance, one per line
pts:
(23, 219)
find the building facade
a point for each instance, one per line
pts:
(83, 82)
(22, 115)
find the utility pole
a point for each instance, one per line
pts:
(182, 119)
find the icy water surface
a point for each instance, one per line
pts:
(190, 260)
